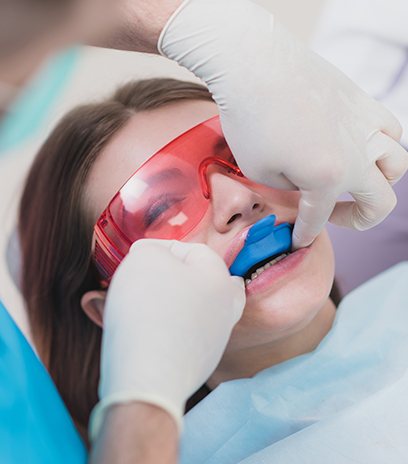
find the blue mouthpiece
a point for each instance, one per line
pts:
(264, 240)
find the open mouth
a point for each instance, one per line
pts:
(258, 268)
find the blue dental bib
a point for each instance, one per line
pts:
(344, 402)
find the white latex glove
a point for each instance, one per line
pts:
(170, 310)
(291, 119)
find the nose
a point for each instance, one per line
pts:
(233, 202)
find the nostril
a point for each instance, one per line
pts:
(233, 218)
(256, 206)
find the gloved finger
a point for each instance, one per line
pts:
(160, 247)
(151, 243)
(315, 208)
(153, 251)
(370, 207)
(239, 297)
(198, 255)
(188, 253)
(192, 253)
(281, 182)
(392, 158)
(203, 257)
(388, 122)
(238, 282)
(276, 180)
(158, 252)
(385, 121)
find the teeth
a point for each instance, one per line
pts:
(264, 267)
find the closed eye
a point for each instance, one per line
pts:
(159, 208)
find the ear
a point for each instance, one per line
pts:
(93, 305)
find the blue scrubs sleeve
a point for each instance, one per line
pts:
(35, 426)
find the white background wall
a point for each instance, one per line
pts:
(97, 73)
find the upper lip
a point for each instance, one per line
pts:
(236, 246)
(237, 243)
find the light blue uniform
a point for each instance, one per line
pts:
(345, 402)
(35, 427)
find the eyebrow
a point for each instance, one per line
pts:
(164, 175)
(220, 144)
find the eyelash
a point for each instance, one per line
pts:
(159, 207)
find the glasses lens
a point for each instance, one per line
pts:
(164, 198)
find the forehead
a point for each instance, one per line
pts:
(144, 134)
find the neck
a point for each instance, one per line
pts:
(247, 362)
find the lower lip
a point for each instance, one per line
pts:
(276, 272)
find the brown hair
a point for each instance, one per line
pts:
(56, 234)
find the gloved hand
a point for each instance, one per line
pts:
(291, 119)
(169, 313)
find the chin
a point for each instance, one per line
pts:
(289, 304)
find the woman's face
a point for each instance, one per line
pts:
(286, 297)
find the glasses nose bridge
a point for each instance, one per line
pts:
(204, 165)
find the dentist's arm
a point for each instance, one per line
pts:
(292, 119)
(169, 313)
(138, 24)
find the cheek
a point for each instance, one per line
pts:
(204, 232)
(291, 307)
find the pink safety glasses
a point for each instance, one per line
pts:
(165, 198)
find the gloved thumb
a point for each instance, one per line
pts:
(188, 253)
(314, 211)
(239, 297)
